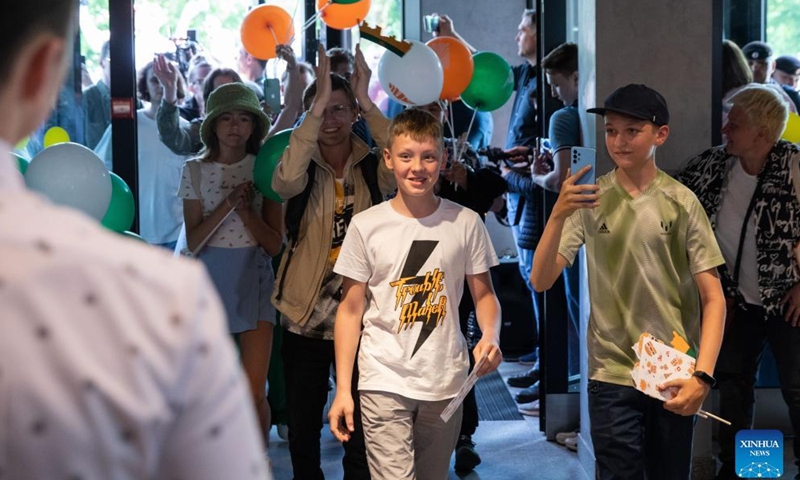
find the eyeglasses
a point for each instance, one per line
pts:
(338, 111)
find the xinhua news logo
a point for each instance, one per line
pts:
(759, 454)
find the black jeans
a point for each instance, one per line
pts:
(737, 366)
(469, 419)
(635, 437)
(306, 366)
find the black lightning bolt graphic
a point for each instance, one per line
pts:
(418, 254)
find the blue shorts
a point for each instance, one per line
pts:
(244, 280)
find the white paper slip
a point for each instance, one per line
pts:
(456, 402)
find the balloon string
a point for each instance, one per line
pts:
(274, 37)
(462, 139)
(452, 122)
(313, 18)
(309, 22)
(472, 120)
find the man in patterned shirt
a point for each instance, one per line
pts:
(649, 250)
(748, 190)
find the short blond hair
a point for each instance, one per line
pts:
(418, 124)
(764, 107)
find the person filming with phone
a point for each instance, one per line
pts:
(652, 264)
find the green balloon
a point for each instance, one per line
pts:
(22, 163)
(267, 159)
(492, 83)
(121, 209)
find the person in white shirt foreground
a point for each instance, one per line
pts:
(114, 357)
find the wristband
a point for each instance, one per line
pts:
(705, 378)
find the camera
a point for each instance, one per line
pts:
(431, 23)
(495, 155)
(185, 48)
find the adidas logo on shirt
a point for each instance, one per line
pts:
(666, 228)
(603, 229)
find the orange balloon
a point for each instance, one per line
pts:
(343, 15)
(265, 27)
(457, 65)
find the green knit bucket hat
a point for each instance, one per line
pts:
(230, 97)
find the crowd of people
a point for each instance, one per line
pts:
(377, 267)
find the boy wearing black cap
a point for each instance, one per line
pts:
(650, 249)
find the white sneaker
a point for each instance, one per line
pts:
(563, 436)
(531, 409)
(572, 443)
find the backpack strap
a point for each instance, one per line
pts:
(295, 208)
(369, 169)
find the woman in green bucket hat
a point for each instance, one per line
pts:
(233, 229)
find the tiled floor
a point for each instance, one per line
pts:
(510, 450)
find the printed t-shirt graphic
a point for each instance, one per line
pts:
(419, 296)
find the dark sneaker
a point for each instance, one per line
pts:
(529, 394)
(524, 380)
(467, 457)
(529, 358)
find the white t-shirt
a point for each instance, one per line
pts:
(414, 268)
(160, 210)
(740, 189)
(216, 183)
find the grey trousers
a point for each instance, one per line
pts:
(406, 439)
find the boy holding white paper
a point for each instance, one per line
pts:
(408, 258)
(650, 250)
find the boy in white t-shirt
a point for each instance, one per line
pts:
(404, 262)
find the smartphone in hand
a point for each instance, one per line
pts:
(579, 158)
(272, 95)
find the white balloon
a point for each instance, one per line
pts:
(72, 175)
(416, 78)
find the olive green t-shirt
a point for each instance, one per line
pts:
(642, 254)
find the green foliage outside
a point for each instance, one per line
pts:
(217, 24)
(783, 26)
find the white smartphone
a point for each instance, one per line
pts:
(580, 157)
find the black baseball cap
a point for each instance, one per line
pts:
(788, 64)
(637, 101)
(757, 51)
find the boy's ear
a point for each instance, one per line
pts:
(662, 134)
(45, 70)
(387, 158)
(34, 82)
